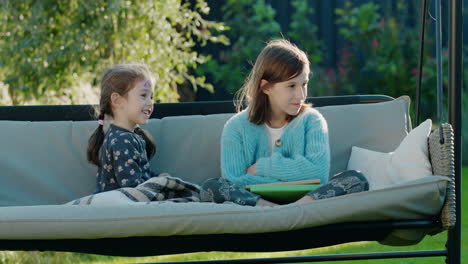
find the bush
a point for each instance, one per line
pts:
(251, 24)
(381, 55)
(48, 46)
(465, 112)
(465, 128)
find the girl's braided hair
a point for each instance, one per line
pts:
(119, 79)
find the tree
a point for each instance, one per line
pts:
(252, 23)
(47, 46)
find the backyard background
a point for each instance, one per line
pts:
(54, 51)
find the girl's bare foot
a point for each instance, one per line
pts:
(305, 199)
(262, 202)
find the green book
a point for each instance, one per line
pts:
(282, 193)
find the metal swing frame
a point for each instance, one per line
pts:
(374, 230)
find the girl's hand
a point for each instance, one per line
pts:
(252, 169)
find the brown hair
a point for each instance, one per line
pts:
(120, 79)
(279, 61)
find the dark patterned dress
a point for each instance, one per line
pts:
(123, 160)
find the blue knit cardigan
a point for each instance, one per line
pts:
(302, 153)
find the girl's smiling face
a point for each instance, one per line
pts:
(136, 106)
(286, 98)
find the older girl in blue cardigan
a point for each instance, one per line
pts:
(278, 137)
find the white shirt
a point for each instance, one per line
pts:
(274, 134)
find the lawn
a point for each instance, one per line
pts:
(430, 242)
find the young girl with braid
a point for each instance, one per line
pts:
(278, 137)
(123, 151)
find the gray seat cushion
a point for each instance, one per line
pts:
(414, 200)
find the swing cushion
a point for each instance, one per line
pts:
(413, 200)
(50, 169)
(408, 162)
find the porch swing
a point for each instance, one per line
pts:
(33, 217)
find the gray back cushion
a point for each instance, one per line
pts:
(188, 146)
(378, 126)
(45, 162)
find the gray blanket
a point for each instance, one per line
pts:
(161, 188)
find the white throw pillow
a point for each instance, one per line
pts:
(408, 162)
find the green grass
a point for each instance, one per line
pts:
(429, 243)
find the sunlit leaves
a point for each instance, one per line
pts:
(51, 44)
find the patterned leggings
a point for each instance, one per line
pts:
(220, 190)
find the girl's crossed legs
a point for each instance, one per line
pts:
(220, 190)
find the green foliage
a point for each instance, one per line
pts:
(49, 45)
(465, 112)
(304, 33)
(251, 24)
(381, 54)
(381, 57)
(360, 23)
(465, 127)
